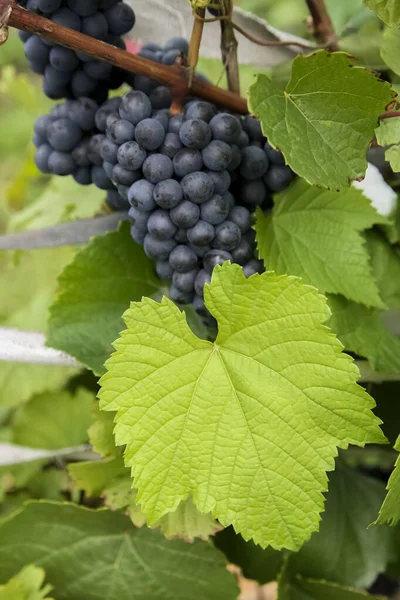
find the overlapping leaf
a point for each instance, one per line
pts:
(26, 585)
(390, 509)
(387, 10)
(95, 289)
(388, 134)
(315, 234)
(100, 555)
(248, 425)
(325, 119)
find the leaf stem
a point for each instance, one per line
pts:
(175, 77)
(323, 29)
(389, 114)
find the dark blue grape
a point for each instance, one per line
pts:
(138, 235)
(217, 156)
(158, 249)
(162, 115)
(221, 180)
(83, 176)
(253, 193)
(115, 201)
(203, 278)
(184, 282)
(157, 167)
(178, 296)
(139, 217)
(61, 163)
(252, 127)
(215, 257)
(131, 156)
(241, 216)
(160, 225)
(181, 236)
(65, 16)
(83, 113)
(63, 134)
(42, 156)
(185, 215)
(182, 259)
(187, 161)
(143, 84)
(195, 134)
(236, 158)
(164, 269)
(175, 123)
(150, 134)
(201, 110)
(274, 156)
(278, 178)
(108, 167)
(177, 43)
(48, 6)
(243, 253)
(160, 97)
(95, 26)
(126, 177)
(94, 147)
(200, 250)
(37, 54)
(168, 193)
(120, 19)
(80, 154)
(121, 131)
(123, 191)
(253, 267)
(100, 179)
(83, 9)
(170, 57)
(201, 234)
(141, 195)
(135, 106)
(82, 84)
(227, 236)
(41, 125)
(226, 128)
(98, 69)
(110, 106)
(254, 163)
(109, 151)
(230, 199)
(171, 145)
(244, 140)
(197, 187)
(216, 210)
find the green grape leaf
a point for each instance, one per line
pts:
(385, 262)
(362, 331)
(94, 476)
(34, 271)
(388, 134)
(297, 588)
(390, 49)
(349, 555)
(61, 420)
(364, 43)
(241, 423)
(324, 121)
(100, 555)
(26, 585)
(315, 234)
(101, 434)
(390, 509)
(62, 200)
(387, 10)
(95, 289)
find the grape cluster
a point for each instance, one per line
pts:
(69, 74)
(69, 142)
(193, 181)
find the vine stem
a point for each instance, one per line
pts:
(322, 24)
(229, 48)
(389, 114)
(175, 77)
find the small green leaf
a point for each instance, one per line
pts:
(385, 262)
(60, 419)
(388, 134)
(101, 434)
(93, 476)
(349, 555)
(390, 509)
(95, 289)
(325, 119)
(361, 330)
(26, 585)
(100, 555)
(390, 49)
(247, 425)
(387, 10)
(315, 234)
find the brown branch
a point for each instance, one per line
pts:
(323, 29)
(175, 77)
(229, 48)
(195, 42)
(389, 114)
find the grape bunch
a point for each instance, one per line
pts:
(69, 74)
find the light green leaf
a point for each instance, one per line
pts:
(94, 476)
(388, 134)
(387, 10)
(390, 49)
(101, 434)
(315, 234)
(62, 200)
(390, 509)
(95, 289)
(385, 262)
(345, 550)
(60, 419)
(361, 330)
(100, 555)
(325, 119)
(247, 425)
(26, 585)
(365, 44)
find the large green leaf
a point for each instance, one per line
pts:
(95, 289)
(248, 425)
(297, 588)
(26, 585)
(315, 234)
(345, 550)
(362, 331)
(390, 509)
(387, 10)
(325, 119)
(100, 555)
(54, 420)
(388, 134)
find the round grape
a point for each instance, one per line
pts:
(83, 176)
(241, 216)
(125, 177)
(201, 234)
(120, 18)
(203, 278)
(61, 163)
(187, 161)
(217, 156)
(63, 134)
(179, 297)
(135, 106)
(253, 267)
(168, 193)
(215, 257)
(184, 282)
(216, 210)
(164, 269)
(141, 195)
(158, 249)
(197, 187)
(131, 156)
(254, 192)
(109, 151)
(182, 259)
(157, 167)
(278, 178)
(160, 225)
(201, 110)
(150, 134)
(226, 128)
(185, 215)
(227, 236)
(221, 179)
(252, 127)
(42, 156)
(175, 123)
(171, 145)
(254, 163)
(195, 134)
(274, 156)
(121, 131)
(243, 253)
